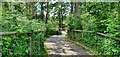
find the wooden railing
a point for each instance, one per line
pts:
(102, 34)
(11, 33)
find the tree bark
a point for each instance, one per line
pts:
(71, 7)
(47, 17)
(77, 12)
(47, 14)
(119, 17)
(59, 15)
(42, 10)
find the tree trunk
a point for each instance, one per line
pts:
(71, 7)
(119, 16)
(47, 14)
(47, 17)
(77, 13)
(42, 10)
(62, 16)
(59, 15)
(27, 9)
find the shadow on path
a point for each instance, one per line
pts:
(57, 45)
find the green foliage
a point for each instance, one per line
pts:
(99, 44)
(23, 45)
(98, 17)
(15, 45)
(70, 22)
(20, 24)
(94, 16)
(15, 20)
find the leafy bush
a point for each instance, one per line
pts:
(24, 45)
(97, 17)
(20, 24)
(13, 20)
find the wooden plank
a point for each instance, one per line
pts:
(84, 31)
(11, 33)
(115, 38)
(102, 34)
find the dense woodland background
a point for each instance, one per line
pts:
(95, 25)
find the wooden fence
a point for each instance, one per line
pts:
(11, 33)
(102, 34)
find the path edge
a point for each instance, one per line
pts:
(90, 52)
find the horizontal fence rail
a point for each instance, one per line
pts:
(11, 33)
(29, 43)
(102, 34)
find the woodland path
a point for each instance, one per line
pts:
(57, 45)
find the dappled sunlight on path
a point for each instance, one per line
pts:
(57, 45)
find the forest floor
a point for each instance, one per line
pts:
(57, 45)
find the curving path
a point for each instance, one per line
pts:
(57, 45)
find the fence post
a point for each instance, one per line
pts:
(73, 34)
(0, 46)
(82, 34)
(31, 36)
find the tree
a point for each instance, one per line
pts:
(77, 14)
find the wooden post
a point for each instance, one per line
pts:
(0, 36)
(30, 46)
(73, 34)
(82, 34)
(0, 45)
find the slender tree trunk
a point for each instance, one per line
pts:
(47, 14)
(118, 9)
(77, 10)
(119, 16)
(59, 15)
(0, 28)
(77, 18)
(33, 10)
(42, 10)
(27, 9)
(71, 7)
(47, 17)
